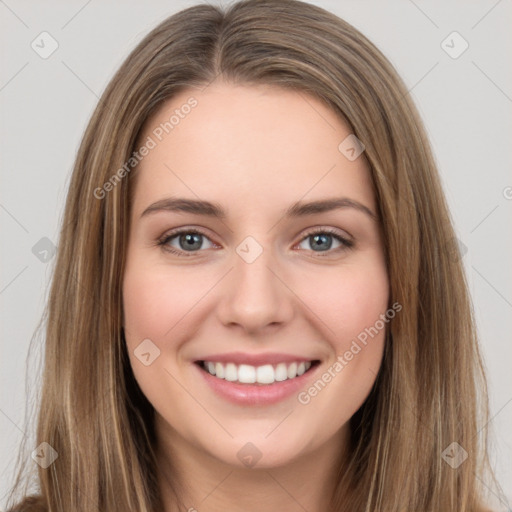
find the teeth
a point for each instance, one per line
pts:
(292, 370)
(247, 374)
(219, 370)
(231, 372)
(281, 372)
(265, 374)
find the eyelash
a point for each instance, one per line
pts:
(162, 242)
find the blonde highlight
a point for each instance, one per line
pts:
(104, 436)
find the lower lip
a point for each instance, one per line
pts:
(256, 394)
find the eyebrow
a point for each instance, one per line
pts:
(298, 209)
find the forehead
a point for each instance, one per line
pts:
(247, 145)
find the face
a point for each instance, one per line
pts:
(228, 270)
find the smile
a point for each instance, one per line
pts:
(257, 384)
(248, 374)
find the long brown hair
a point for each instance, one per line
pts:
(431, 389)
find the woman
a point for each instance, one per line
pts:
(201, 353)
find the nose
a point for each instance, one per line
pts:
(255, 296)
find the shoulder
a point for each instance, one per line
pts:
(30, 504)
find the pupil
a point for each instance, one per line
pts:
(190, 239)
(318, 239)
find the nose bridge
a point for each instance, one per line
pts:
(256, 296)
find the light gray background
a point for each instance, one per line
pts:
(466, 104)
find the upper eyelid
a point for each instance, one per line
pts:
(179, 231)
(330, 230)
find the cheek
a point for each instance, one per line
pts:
(347, 301)
(154, 303)
(352, 308)
(155, 307)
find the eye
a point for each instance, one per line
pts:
(188, 240)
(185, 241)
(322, 239)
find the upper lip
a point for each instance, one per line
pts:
(255, 359)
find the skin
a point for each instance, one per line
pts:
(254, 150)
